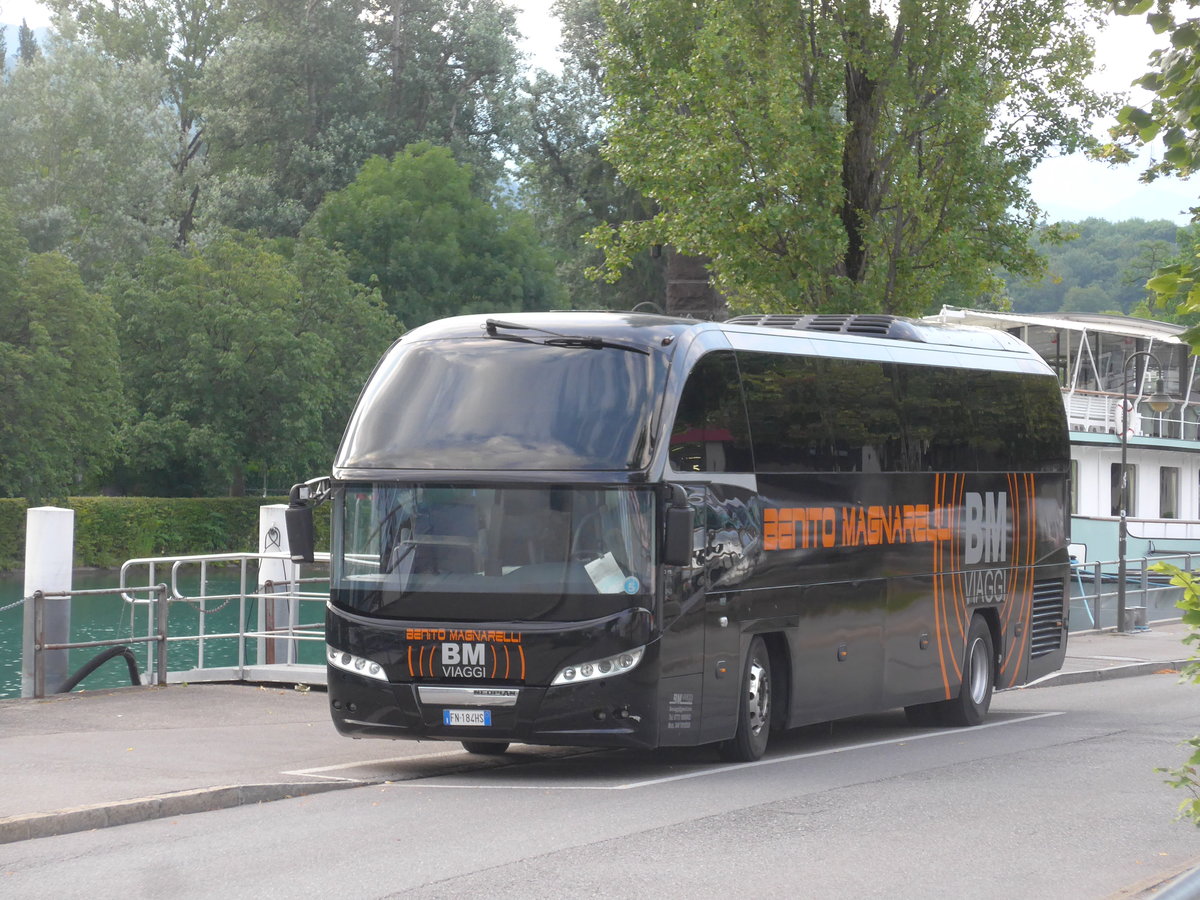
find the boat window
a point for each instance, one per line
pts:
(1116, 489)
(1074, 487)
(1168, 492)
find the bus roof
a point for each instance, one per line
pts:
(890, 338)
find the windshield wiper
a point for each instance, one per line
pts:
(596, 343)
(556, 339)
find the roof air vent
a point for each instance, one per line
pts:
(864, 325)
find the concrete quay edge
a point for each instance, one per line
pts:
(160, 806)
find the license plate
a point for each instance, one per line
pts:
(466, 717)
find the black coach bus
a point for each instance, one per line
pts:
(624, 530)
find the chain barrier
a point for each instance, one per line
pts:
(4, 609)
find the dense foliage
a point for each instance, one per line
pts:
(220, 211)
(432, 246)
(58, 351)
(844, 156)
(111, 530)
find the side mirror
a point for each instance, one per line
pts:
(299, 518)
(300, 533)
(677, 543)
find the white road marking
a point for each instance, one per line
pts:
(702, 773)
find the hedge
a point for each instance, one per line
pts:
(110, 530)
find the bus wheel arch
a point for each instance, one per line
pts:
(781, 679)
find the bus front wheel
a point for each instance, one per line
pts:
(749, 742)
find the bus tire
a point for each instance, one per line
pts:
(749, 741)
(979, 675)
(485, 748)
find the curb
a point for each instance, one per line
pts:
(1056, 679)
(159, 806)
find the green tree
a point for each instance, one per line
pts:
(60, 393)
(28, 50)
(1187, 776)
(231, 350)
(414, 227)
(292, 112)
(449, 71)
(845, 155)
(176, 36)
(570, 186)
(86, 157)
(1173, 116)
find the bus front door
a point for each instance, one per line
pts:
(727, 536)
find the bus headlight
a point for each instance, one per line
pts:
(340, 659)
(625, 661)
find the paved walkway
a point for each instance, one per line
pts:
(90, 760)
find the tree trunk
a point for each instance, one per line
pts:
(864, 102)
(689, 290)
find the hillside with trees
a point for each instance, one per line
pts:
(1103, 267)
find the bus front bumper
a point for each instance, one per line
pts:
(617, 712)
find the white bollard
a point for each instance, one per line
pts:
(49, 557)
(272, 538)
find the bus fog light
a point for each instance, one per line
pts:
(599, 668)
(348, 662)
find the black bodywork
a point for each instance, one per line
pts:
(854, 501)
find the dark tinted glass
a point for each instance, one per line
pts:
(810, 414)
(709, 433)
(489, 404)
(813, 414)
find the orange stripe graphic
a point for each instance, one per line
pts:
(939, 585)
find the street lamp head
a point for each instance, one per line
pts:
(1160, 401)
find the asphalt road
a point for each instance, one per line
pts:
(1055, 797)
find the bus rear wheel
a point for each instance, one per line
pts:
(485, 748)
(749, 742)
(978, 681)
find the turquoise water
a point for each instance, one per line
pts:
(108, 617)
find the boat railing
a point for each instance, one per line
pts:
(1149, 595)
(1102, 412)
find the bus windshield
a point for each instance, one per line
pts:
(433, 551)
(488, 404)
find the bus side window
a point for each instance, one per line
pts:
(709, 433)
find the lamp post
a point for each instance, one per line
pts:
(1159, 402)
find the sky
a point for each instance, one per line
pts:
(1066, 188)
